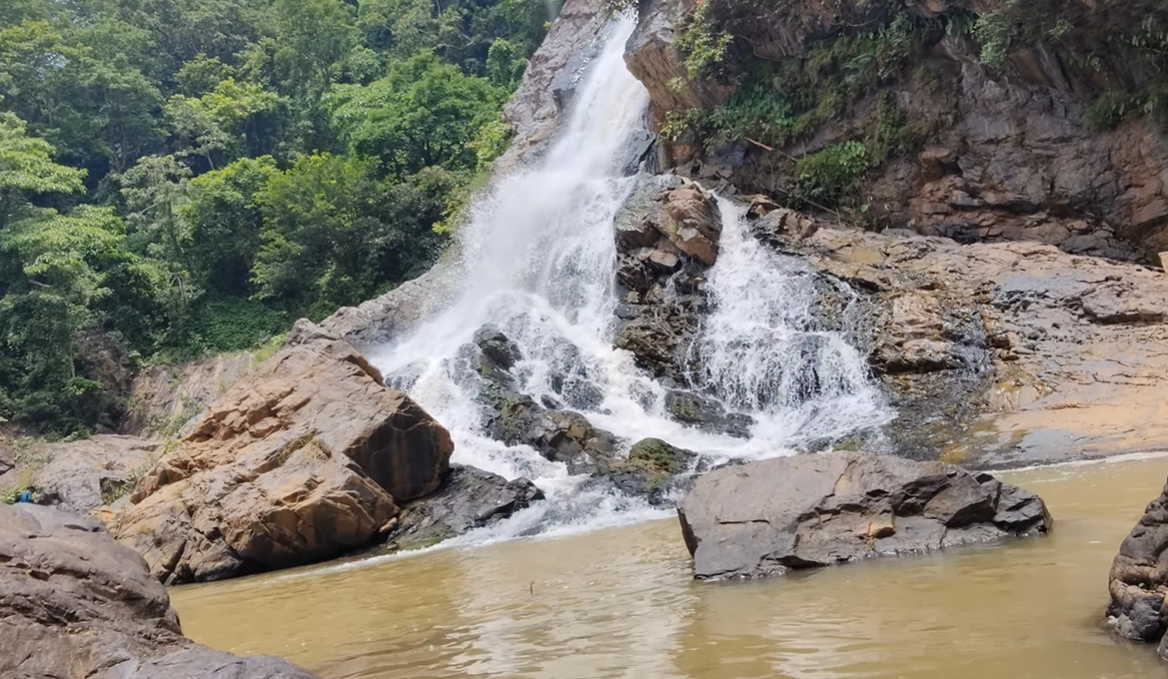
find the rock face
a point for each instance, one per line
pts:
(765, 518)
(468, 498)
(164, 399)
(1139, 579)
(667, 237)
(74, 604)
(302, 460)
(1003, 354)
(1037, 147)
(538, 106)
(81, 476)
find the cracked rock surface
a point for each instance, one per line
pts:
(769, 517)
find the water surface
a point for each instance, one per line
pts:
(620, 602)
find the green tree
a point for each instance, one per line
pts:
(225, 223)
(423, 113)
(54, 271)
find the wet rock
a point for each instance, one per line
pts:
(656, 338)
(691, 222)
(662, 456)
(74, 604)
(468, 498)
(300, 461)
(638, 478)
(1139, 579)
(765, 518)
(568, 437)
(497, 347)
(1001, 354)
(706, 413)
(917, 338)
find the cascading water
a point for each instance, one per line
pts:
(538, 261)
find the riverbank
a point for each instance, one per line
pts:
(622, 602)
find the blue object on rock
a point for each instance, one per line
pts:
(26, 496)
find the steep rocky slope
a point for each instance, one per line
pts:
(981, 121)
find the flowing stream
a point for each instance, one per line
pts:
(538, 261)
(621, 602)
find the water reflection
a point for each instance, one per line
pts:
(620, 603)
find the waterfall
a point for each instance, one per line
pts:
(538, 261)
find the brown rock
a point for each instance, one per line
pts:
(1058, 356)
(298, 462)
(74, 604)
(691, 222)
(1139, 579)
(765, 518)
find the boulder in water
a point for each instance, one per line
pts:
(765, 518)
(568, 437)
(299, 462)
(468, 498)
(706, 413)
(75, 604)
(663, 456)
(1139, 579)
(497, 347)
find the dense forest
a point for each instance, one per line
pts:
(188, 176)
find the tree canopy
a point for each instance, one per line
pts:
(185, 176)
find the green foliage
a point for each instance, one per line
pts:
(703, 45)
(223, 324)
(993, 30)
(186, 176)
(826, 176)
(423, 113)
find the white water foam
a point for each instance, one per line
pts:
(538, 262)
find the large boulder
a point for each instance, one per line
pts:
(765, 518)
(74, 604)
(469, 498)
(304, 459)
(1139, 579)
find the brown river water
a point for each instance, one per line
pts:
(621, 603)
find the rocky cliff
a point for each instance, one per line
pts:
(993, 120)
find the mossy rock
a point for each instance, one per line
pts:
(661, 456)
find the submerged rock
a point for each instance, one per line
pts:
(468, 498)
(1139, 579)
(302, 460)
(765, 518)
(74, 604)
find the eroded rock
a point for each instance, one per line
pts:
(74, 604)
(765, 518)
(1139, 579)
(302, 460)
